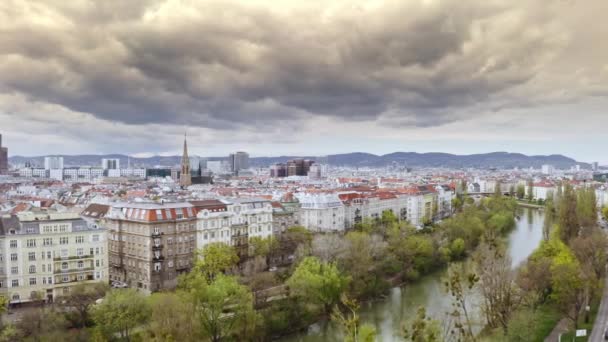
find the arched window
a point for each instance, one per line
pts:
(81, 264)
(64, 265)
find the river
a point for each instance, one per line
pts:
(388, 315)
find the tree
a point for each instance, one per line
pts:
(568, 287)
(42, 324)
(586, 209)
(521, 191)
(530, 190)
(328, 247)
(120, 312)
(534, 278)
(605, 213)
(214, 259)
(318, 283)
(79, 301)
(459, 285)
(498, 287)
(361, 257)
(223, 307)
(523, 326)
(172, 318)
(423, 329)
(263, 247)
(346, 316)
(568, 218)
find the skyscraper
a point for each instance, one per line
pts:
(53, 163)
(185, 179)
(238, 161)
(3, 158)
(110, 164)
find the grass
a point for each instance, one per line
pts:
(546, 318)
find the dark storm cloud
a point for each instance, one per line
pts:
(223, 64)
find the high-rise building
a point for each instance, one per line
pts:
(547, 169)
(185, 178)
(296, 167)
(3, 158)
(595, 166)
(53, 163)
(110, 164)
(238, 161)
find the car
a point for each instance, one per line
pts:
(119, 285)
(272, 269)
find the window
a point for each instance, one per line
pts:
(80, 239)
(95, 238)
(65, 279)
(32, 281)
(43, 268)
(79, 251)
(81, 264)
(157, 266)
(64, 253)
(32, 269)
(170, 263)
(13, 243)
(31, 242)
(14, 257)
(97, 263)
(50, 280)
(14, 270)
(97, 250)
(31, 256)
(15, 283)
(48, 254)
(64, 265)
(47, 242)
(43, 280)
(63, 240)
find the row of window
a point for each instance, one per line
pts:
(64, 253)
(49, 241)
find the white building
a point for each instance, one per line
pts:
(52, 163)
(548, 169)
(232, 222)
(43, 255)
(321, 212)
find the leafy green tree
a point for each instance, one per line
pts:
(457, 204)
(523, 326)
(568, 215)
(172, 318)
(120, 313)
(586, 209)
(423, 329)
(346, 316)
(223, 307)
(362, 256)
(521, 191)
(605, 213)
(530, 190)
(80, 299)
(214, 259)
(568, 287)
(318, 283)
(262, 246)
(457, 249)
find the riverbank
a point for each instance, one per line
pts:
(400, 305)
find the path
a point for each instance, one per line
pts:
(561, 327)
(601, 320)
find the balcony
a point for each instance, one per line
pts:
(156, 234)
(157, 247)
(159, 258)
(74, 270)
(74, 257)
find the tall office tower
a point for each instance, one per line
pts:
(53, 163)
(185, 178)
(3, 158)
(110, 164)
(595, 166)
(238, 161)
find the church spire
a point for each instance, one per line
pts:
(185, 179)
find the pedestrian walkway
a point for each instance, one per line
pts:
(560, 328)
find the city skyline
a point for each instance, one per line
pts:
(304, 78)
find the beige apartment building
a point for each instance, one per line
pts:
(150, 244)
(43, 254)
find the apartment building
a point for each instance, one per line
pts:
(44, 254)
(150, 244)
(233, 222)
(321, 212)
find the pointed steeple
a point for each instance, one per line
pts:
(185, 179)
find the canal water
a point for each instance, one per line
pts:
(388, 315)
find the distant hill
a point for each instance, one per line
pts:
(410, 159)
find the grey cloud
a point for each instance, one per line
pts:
(224, 65)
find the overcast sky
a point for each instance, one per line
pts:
(304, 77)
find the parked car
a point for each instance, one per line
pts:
(119, 285)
